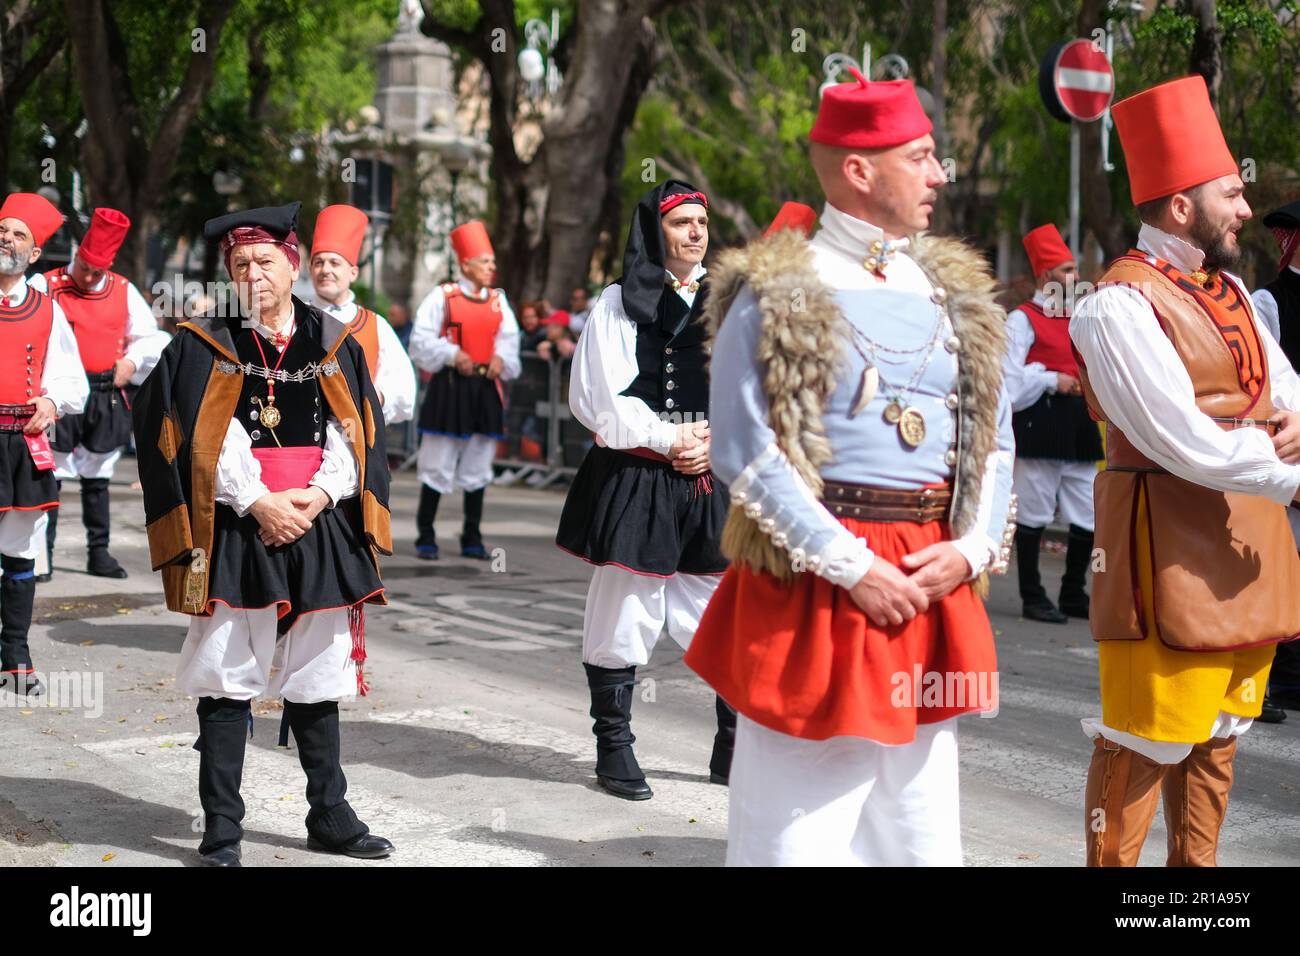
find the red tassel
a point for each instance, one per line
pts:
(357, 628)
(703, 485)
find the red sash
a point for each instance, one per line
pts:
(285, 468)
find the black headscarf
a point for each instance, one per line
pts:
(643, 258)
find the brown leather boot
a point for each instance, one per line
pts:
(1196, 801)
(1124, 786)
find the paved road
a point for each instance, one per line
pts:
(475, 745)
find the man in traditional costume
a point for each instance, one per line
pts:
(860, 422)
(1278, 306)
(1058, 444)
(119, 341)
(1201, 571)
(40, 380)
(643, 507)
(335, 252)
(466, 335)
(261, 451)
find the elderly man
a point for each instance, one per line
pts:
(643, 507)
(266, 497)
(119, 341)
(40, 380)
(1201, 569)
(466, 335)
(860, 422)
(335, 252)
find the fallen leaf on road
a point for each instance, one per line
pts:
(108, 856)
(692, 820)
(124, 610)
(87, 643)
(26, 713)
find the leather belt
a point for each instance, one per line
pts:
(14, 418)
(868, 503)
(101, 381)
(1263, 423)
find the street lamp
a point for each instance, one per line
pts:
(533, 66)
(456, 157)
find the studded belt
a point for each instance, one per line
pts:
(867, 503)
(14, 418)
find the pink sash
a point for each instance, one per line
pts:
(285, 468)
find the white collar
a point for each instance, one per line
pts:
(17, 295)
(1039, 299)
(468, 288)
(269, 334)
(333, 307)
(696, 272)
(855, 238)
(1179, 253)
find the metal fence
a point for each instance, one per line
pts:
(543, 442)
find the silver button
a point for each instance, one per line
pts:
(669, 368)
(255, 434)
(952, 401)
(667, 351)
(939, 294)
(950, 458)
(670, 386)
(668, 404)
(953, 344)
(317, 437)
(253, 415)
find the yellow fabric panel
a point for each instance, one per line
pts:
(1162, 694)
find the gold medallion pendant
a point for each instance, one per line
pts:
(911, 426)
(893, 412)
(270, 416)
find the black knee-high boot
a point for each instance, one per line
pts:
(426, 542)
(95, 516)
(1037, 605)
(471, 539)
(17, 594)
(1078, 555)
(52, 523)
(332, 824)
(611, 708)
(223, 734)
(724, 742)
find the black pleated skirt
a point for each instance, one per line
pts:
(104, 426)
(640, 514)
(22, 484)
(329, 567)
(462, 405)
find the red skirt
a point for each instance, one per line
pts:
(802, 659)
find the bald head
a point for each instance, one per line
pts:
(893, 188)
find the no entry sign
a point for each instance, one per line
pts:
(1076, 81)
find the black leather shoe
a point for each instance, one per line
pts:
(626, 789)
(44, 578)
(1286, 699)
(719, 779)
(1075, 607)
(24, 685)
(101, 564)
(365, 847)
(1045, 613)
(221, 856)
(1271, 713)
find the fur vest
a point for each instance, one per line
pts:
(802, 350)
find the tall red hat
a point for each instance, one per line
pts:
(40, 215)
(870, 115)
(470, 241)
(108, 229)
(796, 216)
(340, 229)
(1046, 249)
(1171, 138)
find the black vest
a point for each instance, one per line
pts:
(1285, 289)
(301, 416)
(672, 361)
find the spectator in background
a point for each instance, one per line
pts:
(399, 317)
(579, 309)
(530, 325)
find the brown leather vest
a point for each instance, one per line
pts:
(1225, 574)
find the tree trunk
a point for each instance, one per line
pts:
(939, 90)
(22, 61)
(1207, 47)
(123, 167)
(1097, 205)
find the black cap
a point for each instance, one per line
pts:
(1288, 217)
(279, 221)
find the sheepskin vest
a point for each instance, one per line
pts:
(802, 350)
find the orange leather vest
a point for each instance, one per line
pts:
(365, 330)
(1223, 566)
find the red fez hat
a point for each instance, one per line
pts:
(340, 229)
(1171, 138)
(40, 215)
(470, 241)
(108, 228)
(1046, 249)
(796, 216)
(870, 115)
